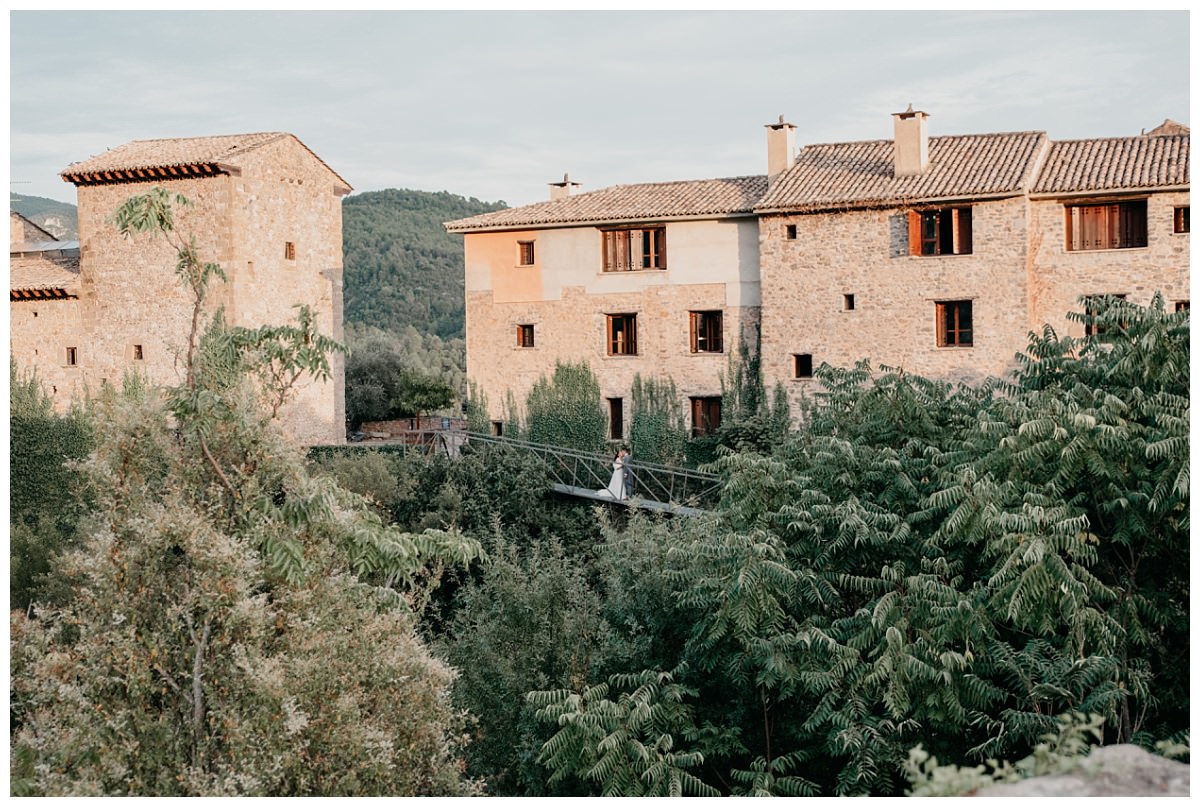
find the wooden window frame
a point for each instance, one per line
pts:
(951, 330)
(635, 249)
(1182, 220)
(622, 334)
(940, 231)
(71, 359)
(706, 414)
(1094, 226)
(525, 335)
(706, 331)
(525, 253)
(289, 250)
(1183, 305)
(616, 418)
(802, 365)
(137, 353)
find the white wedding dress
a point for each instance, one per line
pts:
(616, 486)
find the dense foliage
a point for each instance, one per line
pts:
(564, 409)
(46, 498)
(401, 266)
(398, 376)
(238, 626)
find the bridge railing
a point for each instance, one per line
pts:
(587, 471)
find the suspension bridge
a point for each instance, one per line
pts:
(655, 487)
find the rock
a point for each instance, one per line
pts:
(1111, 770)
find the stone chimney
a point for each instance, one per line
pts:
(561, 190)
(912, 143)
(781, 151)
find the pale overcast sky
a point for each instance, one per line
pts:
(496, 105)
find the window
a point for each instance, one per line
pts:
(946, 231)
(289, 250)
(1183, 219)
(524, 336)
(72, 356)
(1121, 225)
(789, 232)
(848, 302)
(525, 253)
(616, 418)
(954, 324)
(706, 415)
(622, 334)
(630, 250)
(706, 331)
(497, 428)
(137, 353)
(803, 365)
(1092, 309)
(1183, 305)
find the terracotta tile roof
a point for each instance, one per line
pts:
(861, 174)
(177, 152)
(629, 203)
(1117, 163)
(30, 274)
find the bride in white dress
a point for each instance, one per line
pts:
(616, 486)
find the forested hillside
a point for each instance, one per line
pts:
(55, 217)
(401, 267)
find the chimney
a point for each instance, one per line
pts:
(781, 153)
(561, 190)
(911, 144)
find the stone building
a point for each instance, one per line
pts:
(653, 280)
(264, 207)
(937, 255)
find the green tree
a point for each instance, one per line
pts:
(240, 626)
(657, 432)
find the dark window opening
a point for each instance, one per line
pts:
(497, 428)
(706, 415)
(634, 249)
(946, 231)
(848, 301)
(616, 418)
(1183, 219)
(1183, 305)
(706, 329)
(1109, 226)
(954, 324)
(790, 232)
(137, 353)
(289, 250)
(72, 356)
(622, 334)
(803, 365)
(524, 336)
(526, 253)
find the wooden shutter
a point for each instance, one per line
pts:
(962, 231)
(693, 316)
(914, 233)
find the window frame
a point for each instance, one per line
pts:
(525, 335)
(526, 254)
(71, 357)
(289, 250)
(700, 331)
(1181, 220)
(950, 331)
(619, 255)
(623, 341)
(941, 231)
(706, 414)
(1100, 226)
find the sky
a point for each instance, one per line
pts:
(496, 105)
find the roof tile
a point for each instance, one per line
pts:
(1116, 163)
(628, 203)
(40, 272)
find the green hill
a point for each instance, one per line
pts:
(55, 217)
(401, 267)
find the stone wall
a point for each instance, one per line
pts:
(41, 331)
(566, 297)
(133, 313)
